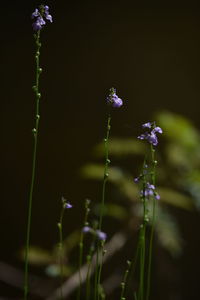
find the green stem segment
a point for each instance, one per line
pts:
(153, 176)
(124, 281)
(60, 228)
(142, 239)
(35, 135)
(105, 177)
(99, 244)
(87, 210)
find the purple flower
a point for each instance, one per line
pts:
(113, 99)
(143, 136)
(150, 186)
(86, 229)
(151, 136)
(39, 22)
(147, 125)
(146, 193)
(149, 191)
(35, 14)
(136, 179)
(40, 15)
(47, 15)
(68, 205)
(157, 129)
(101, 235)
(157, 196)
(65, 203)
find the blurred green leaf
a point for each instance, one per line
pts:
(121, 147)
(175, 198)
(113, 210)
(116, 176)
(168, 232)
(39, 256)
(178, 129)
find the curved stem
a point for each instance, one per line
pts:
(35, 134)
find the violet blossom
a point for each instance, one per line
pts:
(151, 136)
(39, 16)
(113, 99)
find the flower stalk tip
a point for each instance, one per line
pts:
(113, 99)
(40, 16)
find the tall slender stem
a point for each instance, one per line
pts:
(124, 281)
(60, 224)
(105, 177)
(153, 175)
(87, 202)
(143, 235)
(89, 262)
(35, 135)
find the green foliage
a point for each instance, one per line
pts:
(178, 178)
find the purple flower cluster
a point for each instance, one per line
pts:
(100, 234)
(151, 136)
(113, 99)
(40, 15)
(150, 191)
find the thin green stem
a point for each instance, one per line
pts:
(152, 226)
(88, 278)
(143, 235)
(96, 292)
(35, 135)
(124, 281)
(100, 269)
(87, 202)
(142, 261)
(89, 261)
(60, 228)
(105, 177)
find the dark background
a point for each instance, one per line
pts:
(150, 53)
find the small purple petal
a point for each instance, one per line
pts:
(117, 102)
(146, 125)
(157, 129)
(150, 186)
(101, 235)
(35, 14)
(143, 136)
(136, 179)
(152, 139)
(68, 205)
(37, 26)
(49, 18)
(86, 229)
(148, 192)
(46, 8)
(157, 196)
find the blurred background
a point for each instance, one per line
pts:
(150, 54)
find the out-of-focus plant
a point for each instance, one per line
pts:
(178, 178)
(178, 183)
